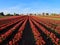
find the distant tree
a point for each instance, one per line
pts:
(17, 14)
(2, 14)
(43, 13)
(34, 14)
(53, 14)
(30, 14)
(14, 13)
(47, 13)
(39, 14)
(8, 14)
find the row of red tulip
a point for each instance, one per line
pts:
(9, 32)
(9, 24)
(18, 35)
(50, 24)
(5, 21)
(49, 34)
(53, 24)
(37, 35)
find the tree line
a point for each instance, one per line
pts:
(2, 14)
(44, 14)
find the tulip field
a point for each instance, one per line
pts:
(30, 30)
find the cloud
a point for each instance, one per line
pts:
(34, 7)
(20, 8)
(10, 9)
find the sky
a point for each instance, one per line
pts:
(29, 6)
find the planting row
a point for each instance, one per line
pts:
(28, 30)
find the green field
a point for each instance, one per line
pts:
(2, 16)
(56, 18)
